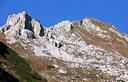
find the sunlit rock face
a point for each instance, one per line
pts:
(86, 48)
(21, 23)
(37, 28)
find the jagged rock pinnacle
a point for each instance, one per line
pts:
(16, 23)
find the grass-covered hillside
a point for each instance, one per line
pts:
(17, 68)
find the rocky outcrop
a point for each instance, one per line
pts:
(18, 24)
(37, 27)
(82, 51)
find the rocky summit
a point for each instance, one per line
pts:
(86, 50)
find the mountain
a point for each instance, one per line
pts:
(86, 50)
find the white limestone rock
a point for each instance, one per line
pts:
(74, 50)
(38, 30)
(64, 26)
(96, 30)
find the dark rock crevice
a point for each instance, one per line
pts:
(28, 24)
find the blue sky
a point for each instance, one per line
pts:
(50, 12)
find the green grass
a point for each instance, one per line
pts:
(23, 70)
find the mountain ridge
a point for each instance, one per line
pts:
(85, 51)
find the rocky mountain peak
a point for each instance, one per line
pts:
(97, 49)
(22, 23)
(21, 17)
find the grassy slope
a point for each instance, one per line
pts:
(21, 68)
(92, 39)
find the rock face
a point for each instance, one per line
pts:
(21, 23)
(37, 28)
(81, 51)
